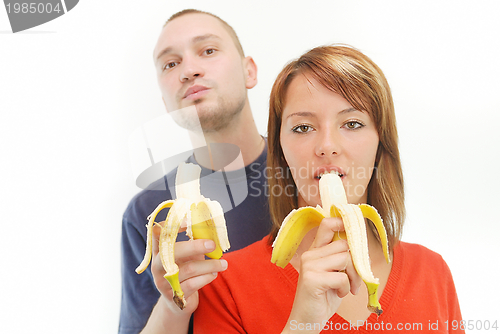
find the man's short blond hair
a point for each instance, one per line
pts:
(229, 29)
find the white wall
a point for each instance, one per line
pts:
(74, 89)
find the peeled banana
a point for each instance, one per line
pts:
(334, 204)
(203, 219)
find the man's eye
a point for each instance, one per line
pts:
(353, 125)
(170, 65)
(303, 128)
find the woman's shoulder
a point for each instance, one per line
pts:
(416, 249)
(419, 257)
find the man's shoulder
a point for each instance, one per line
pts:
(145, 201)
(213, 185)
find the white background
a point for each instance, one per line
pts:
(73, 90)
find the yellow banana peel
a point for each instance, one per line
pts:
(203, 218)
(334, 204)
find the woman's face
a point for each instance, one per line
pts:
(322, 132)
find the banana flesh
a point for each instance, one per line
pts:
(334, 204)
(203, 219)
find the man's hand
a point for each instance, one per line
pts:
(194, 271)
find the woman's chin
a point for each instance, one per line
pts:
(308, 201)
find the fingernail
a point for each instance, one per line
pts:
(357, 290)
(210, 245)
(215, 274)
(223, 264)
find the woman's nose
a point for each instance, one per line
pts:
(328, 145)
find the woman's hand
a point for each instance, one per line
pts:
(326, 275)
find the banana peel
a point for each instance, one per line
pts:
(334, 204)
(203, 219)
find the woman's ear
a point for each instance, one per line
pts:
(250, 72)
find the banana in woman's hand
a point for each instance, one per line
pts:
(204, 219)
(334, 204)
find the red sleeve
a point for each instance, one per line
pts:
(427, 292)
(217, 312)
(454, 314)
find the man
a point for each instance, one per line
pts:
(199, 62)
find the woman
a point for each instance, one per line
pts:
(331, 110)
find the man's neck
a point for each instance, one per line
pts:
(242, 132)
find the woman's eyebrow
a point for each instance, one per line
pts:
(348, 110)
(310, 114)
(302, 114)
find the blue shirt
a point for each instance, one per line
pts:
(243, 197)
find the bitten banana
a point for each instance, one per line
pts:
(203, 218)
(334, 204)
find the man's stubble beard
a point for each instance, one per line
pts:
(211, 118)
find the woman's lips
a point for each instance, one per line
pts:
(328, 169)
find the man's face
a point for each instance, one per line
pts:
(198, 64)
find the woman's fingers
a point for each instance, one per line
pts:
(341, 263)
(337, 281)
(323, 247)
(330, 248)
(355, 280)
(333, 258)
(326, 231)
(326, 274)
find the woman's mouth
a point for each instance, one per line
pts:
(327, 170)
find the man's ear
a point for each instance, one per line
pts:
(250, 71)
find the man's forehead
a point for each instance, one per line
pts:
(190, 28)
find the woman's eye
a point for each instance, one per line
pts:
(353, 125)
(209, 51)
(303, 128)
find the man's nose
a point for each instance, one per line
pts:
(191, 69)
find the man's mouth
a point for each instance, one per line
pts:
(195, 92)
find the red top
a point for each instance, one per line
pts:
(255, 296)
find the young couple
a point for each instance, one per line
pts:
(331, 109)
